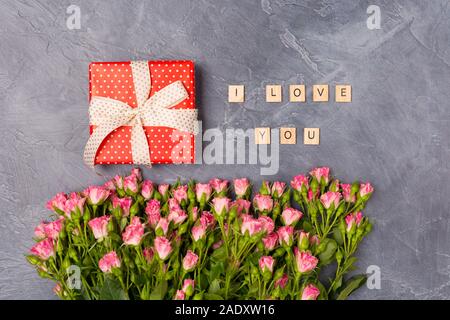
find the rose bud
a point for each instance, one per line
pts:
(282, 282)
(241, 187)
(75, 203)
(267, 224)
(148, 254)
(163, 189)
(162, 247)
(147, 189)
(263, 203)
(266, 263)
(137, 173)
(177, 216)
(173, 204)
(198, 232)
(133, 232)
(242, 206)
(221, 205)
(310, 292)
(193, 214)
(285, 235)
(152, 210)
(99, 227)
(188, 287)
(207, 219)
(365, 191)
(300, 183)
(53, 229)
(110, 185)
(347, 193)
(270, 241)
(162, 227)
(180, 194)
(251, 226)
(321, 174)
(303, 240)
(39, 231)
(330, 198)
(123, 203)
(203, 192)
(109, 261)
(190, 261)
(96, 195)
(130, 184)
(305, 261)
(219, 186)
(180, 295)
(57, 203)
(44, 249)
(118, 181)
(278, 189)
(291, 216)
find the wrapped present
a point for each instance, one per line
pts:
(141, 112)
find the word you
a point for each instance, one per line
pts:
(297, 93)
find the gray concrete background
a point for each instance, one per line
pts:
(395, 133)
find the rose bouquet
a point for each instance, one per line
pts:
(132, 239)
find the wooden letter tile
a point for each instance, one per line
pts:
(236, 93)
(262, 135)
(343, 93)
(297, 93)
(311, 136)
(288, 135)
(320, 93)
(273, 93)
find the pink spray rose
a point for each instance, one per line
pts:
(250, 225)
(177, 216)
(310, 292)
(152, 209)
(44, 249)
(148, 254)
(96, 195)
(299, 181)
(137, 173)
(263, 202)
(270, 241)
(365, 189)
(353, 219)
(267, 224)
(278, 188)
(109, 261)
(198, 232)
(320, 173)
(242, 206)
(347, 192)
(282, 282)
(203, 189)
(163, 188)
(180, 295)
(123, 203)
(57, 202)
(173, 204)
(133, 232)
(147, 189)
(329, 198)
(74, 202)
(110, 185)
(221, 204)
(163, 225)
(39, 231)
(218, 185)
(305, 261)
(188, 286)
(241, 186)
(180, 193)
(291, 216)
(162, 247)
(285, 235)
(118, 181)
(190, 261)
(207, 219)
(99, 226)
(130, 184)
(266, 263)
(52, 229)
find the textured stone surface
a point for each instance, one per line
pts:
(395, 133)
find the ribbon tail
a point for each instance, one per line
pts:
(139, 145)
(96, 139)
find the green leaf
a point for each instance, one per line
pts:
(337, 235)
(219, 254)
(323, 291)
(351, 285)
(327, 255)
(112, 290)
(212, 296)
(215, 271)
(159, 291)
(307, 226)
(214, 287)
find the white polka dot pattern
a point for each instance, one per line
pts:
(109, 114)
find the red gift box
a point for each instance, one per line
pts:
(114, 80)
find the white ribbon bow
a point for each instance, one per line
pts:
(109, 114)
